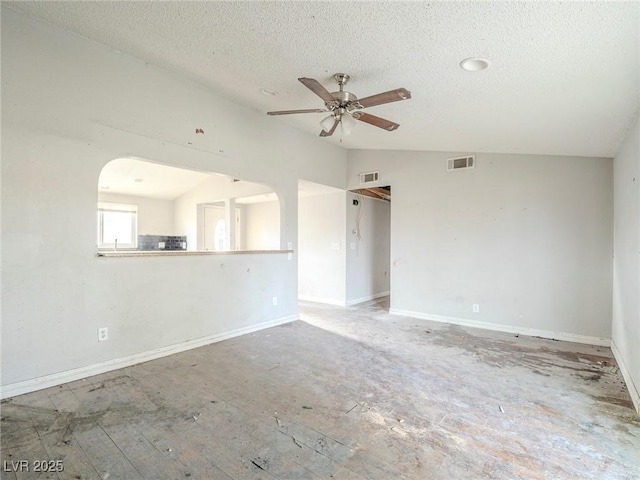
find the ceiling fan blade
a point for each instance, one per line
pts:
(386, 97)
(289, 112)
(375, 121)
(317, 88)
(330, 132)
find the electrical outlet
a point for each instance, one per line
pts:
(275, 301)
(353, 245)
(103, 334)
(476, 308)
(335, 246)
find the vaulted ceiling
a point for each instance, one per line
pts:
(563, 77)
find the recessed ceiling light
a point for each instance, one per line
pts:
(474, 64)
(268, 92)
(138, 180)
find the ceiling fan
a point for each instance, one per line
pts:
(344, 107)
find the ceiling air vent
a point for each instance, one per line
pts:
(460, 162)
(368, 177)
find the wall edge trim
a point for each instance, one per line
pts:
(631, 386)
(532, 332)
(367, 298)
(52, 380)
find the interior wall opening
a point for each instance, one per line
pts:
(369, 249)
(147, 206)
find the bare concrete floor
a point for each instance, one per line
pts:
(347, 393)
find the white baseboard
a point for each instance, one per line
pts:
(328, 301)
(52, 380)
(631, 386)
(355, 301)
(533, 332)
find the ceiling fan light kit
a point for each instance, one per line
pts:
(327, 123)
(345, 108)
(346, 124)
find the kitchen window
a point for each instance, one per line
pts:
(117, 226)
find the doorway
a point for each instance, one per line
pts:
(215, 234)
(369, 248)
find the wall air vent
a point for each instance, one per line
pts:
(460, 162)
(368, 177)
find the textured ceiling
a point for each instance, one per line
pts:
(564, 77)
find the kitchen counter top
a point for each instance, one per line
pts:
(179, 253)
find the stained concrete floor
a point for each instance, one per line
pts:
(347, 393)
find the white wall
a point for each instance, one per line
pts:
(155, 217)
(69, 107)
(261, 226)
(212, 190)
(321, 267)
(626, 264)
(368, 264)
(528, 238)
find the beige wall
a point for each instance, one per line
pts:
(528, 238)
(188, 211)
(75, 106)
(321, 266)
(626, 265)
(262, 226)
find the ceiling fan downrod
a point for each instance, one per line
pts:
(341, 79)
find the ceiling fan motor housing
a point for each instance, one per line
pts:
(343, 99)
(346, 100)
